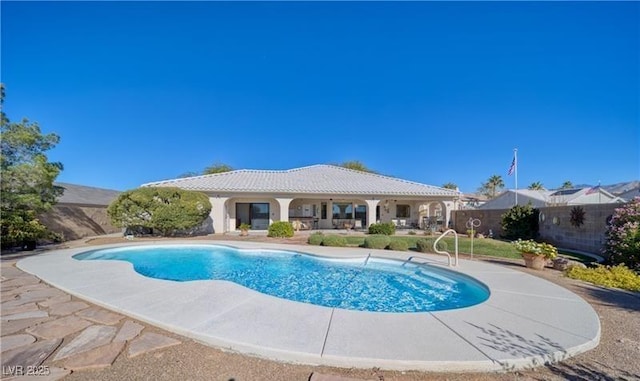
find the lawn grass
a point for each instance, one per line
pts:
(576, 256)
(485, 246)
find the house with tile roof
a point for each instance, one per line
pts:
(317, 197)
(558, 197)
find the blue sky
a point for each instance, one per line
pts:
(432, 92)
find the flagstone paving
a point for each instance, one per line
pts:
(67, 308)
(19, 309)
(59, 328)
(26, 315)
(8, 343)
(19, 325)
(128, 331)
(150, 342)
(30, 355)
(92, 337)
(100, 357)
(100, 316)
(55, 300)
(43, 326)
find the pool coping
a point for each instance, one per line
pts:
(527, 321)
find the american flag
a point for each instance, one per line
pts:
(592, 190)
(512, 168)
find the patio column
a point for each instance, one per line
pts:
(284, 208)
(218, 213)
(371, 211)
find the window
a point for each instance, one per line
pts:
(323, 210)
(342, 211)
(403, 211)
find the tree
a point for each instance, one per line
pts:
(166, 210)
(356, 166)
(492, 186)
(520, 222)
(26, 180)
(567, 185)
(450, 186)
(537, 185)
(217, 168)
(188, 174)
(622, 244)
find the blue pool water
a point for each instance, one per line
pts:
(380, 285)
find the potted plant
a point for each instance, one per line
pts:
(244, 229)
(535, 254)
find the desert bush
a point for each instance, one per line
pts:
(378, 241)
(425, 245)
(315, 239)
(398, 245)
(520, 222)
(163, 209)
(334, 240)
(622, 245)
(386, 228)
(280, 229)
(618, 276)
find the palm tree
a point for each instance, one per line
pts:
(537, 185)
(567, 185)
(450, 185)
(492, 186)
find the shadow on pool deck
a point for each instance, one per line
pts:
(616, 298)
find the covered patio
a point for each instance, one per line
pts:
(317, 197)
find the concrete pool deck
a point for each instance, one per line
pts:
(526, 322)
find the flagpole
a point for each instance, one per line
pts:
(515, 158)
(599, 193)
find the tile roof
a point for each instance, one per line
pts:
(315, 179)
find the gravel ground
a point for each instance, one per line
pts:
(616, 358)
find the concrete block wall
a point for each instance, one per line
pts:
(77, 221)
(489, 220)
(555, 225)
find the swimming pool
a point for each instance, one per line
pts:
(378, 285)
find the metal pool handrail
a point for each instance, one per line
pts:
(435, 246)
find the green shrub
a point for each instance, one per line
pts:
(398, 245)
(425, 245)
(618, 276)
(622, 243)
(376, 241)
(280, 229)
(411, 232)
(386, 228)
(315, 239)
(162, 209)
(334, 240)
(520, 222)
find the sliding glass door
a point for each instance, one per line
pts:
(255, 214)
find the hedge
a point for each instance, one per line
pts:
(376, 241)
